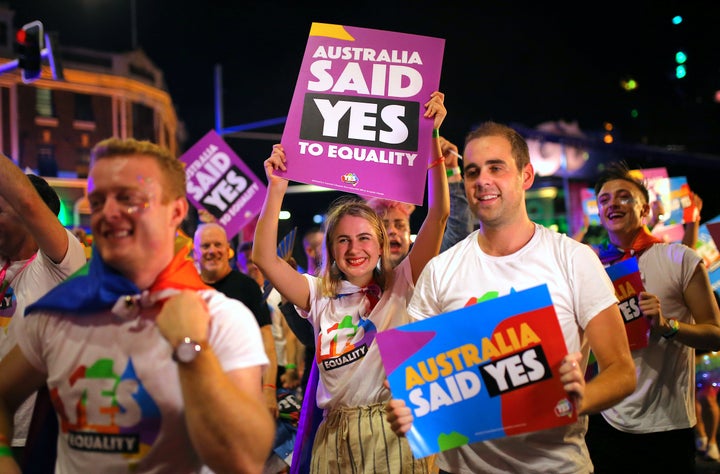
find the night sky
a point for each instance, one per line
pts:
(518, 62)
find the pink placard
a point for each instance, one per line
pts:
(356, 119)
(222, 184)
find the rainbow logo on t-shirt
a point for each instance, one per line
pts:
(103, 411)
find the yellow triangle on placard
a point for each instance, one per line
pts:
(330, 31)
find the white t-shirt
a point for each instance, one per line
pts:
(28, 284)
(116, 389)
(664, 398)
(350, 368)
(579, 288)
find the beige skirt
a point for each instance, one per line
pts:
(359, 440)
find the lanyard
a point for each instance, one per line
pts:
(4, 285)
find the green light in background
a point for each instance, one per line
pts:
(677, 19)
(629, 84)
(65, 215)
(634, 113)
(680, 57)
(680, 71)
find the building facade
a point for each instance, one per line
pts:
(50, 125)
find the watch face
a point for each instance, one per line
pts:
(187, 351)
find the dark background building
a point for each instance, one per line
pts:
(50, 125)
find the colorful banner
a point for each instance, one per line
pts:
(484, 371)
(682, 208)
(222, 184)
(356, 119)
(707, 247)
(590, 206)
(628, 284)
(657, 184)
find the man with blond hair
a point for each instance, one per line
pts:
(149, 369)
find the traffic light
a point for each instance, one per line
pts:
(30, 42)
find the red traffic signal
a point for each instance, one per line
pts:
(30, 43)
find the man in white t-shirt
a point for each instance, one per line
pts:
(510, 253)
(36, 253)
(148, 368)
(678, 300)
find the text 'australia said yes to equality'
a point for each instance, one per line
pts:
(379, 118)
(516, 360)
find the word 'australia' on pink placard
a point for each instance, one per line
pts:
(484, 371)
(356, 119)
(222, 184)
(628, 284)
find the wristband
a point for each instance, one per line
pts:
(674, 328)
(436, 133)
(290, 366)
(6, 451)
(4, 440)
(452, 171)
(439, 161)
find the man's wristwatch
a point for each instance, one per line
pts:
(187, 351)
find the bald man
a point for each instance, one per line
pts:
(212, 256)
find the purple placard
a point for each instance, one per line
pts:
(222, 184)
(356, 120)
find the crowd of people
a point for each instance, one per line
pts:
(167, 354)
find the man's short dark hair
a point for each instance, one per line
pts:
(46, 192)
(621, 170)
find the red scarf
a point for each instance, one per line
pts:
(610, 253)
(180, 273)
(96, 286)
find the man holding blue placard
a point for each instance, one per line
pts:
(510, 253)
